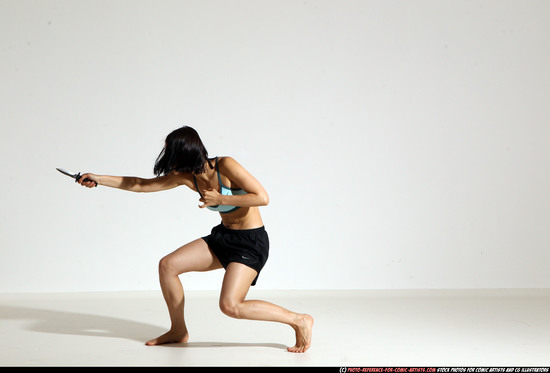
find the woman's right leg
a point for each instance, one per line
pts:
(195, 256)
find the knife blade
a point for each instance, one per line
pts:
(74, 176)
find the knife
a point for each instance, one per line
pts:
(74, 176)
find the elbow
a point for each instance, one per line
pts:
(264, 200)
(136, 185)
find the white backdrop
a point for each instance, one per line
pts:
(404, 144)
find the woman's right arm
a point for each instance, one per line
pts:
(135, 184)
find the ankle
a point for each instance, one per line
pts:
(297, 321)
(180, 329)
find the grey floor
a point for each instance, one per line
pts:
(352, 328)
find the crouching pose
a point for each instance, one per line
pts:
(240, 244)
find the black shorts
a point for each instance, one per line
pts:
(247, 246)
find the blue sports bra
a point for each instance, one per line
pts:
(225, 191)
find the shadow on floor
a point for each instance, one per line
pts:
(224, 344)
(72, 323)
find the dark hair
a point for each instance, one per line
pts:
(183, 152)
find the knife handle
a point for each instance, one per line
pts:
(78, 178)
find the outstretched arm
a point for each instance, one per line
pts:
(135, 184)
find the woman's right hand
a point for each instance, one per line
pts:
(88, 180)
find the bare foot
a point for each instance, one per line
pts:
(169, 337)
(303, 334)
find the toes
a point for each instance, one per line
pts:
(297, 349)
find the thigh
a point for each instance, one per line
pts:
(236, 282)
(194, 256)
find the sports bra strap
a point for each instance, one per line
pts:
(196, 185)
(218, 171)
(219, 178)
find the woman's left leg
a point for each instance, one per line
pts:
(236, 283)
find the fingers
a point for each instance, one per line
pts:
(209, 197)
(88, 184)
(203, 203)
(206, 202)
(87, 180)
(81, 178)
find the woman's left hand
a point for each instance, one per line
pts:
(210, 197)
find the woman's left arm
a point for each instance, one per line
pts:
(256, 194)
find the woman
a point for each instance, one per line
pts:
(239, 244)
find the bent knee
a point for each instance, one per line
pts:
(166, 265)
(230, 308)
